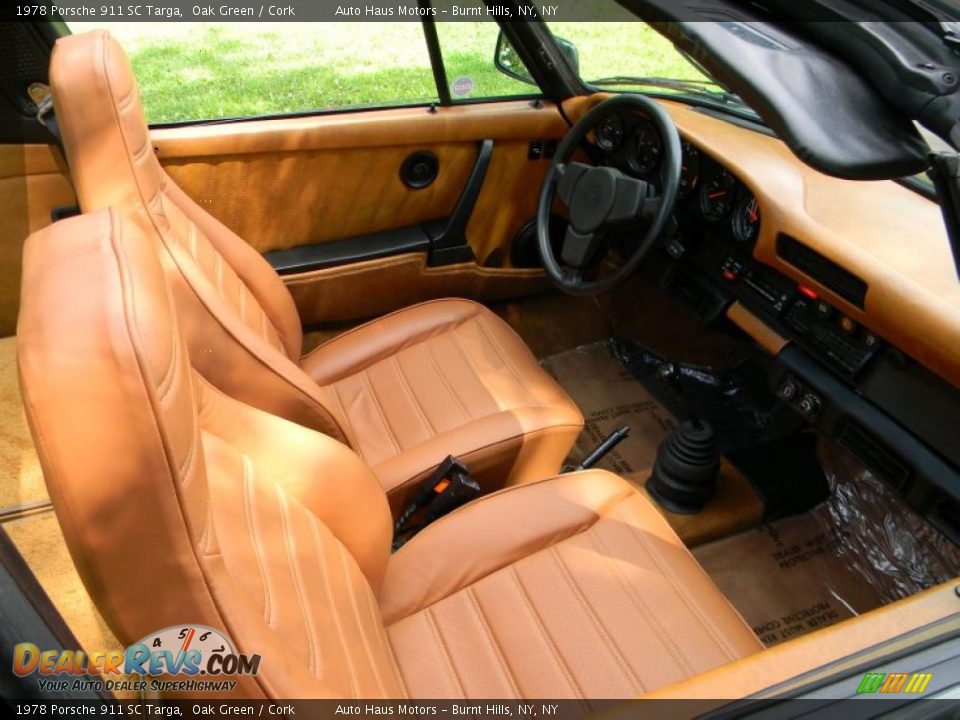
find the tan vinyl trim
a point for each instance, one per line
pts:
(764, 335)
(509, 120)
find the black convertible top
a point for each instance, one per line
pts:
(841, 82)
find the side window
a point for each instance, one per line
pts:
(469, 47)
(207, 71)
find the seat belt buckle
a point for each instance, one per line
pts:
(447, 488)
(445, 470)
(455, 489)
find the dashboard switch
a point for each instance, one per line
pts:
(848, 325)
(676, 249)
(809, 405)
(788, 389)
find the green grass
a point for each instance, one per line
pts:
(190, 71)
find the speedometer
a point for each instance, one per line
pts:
(645, 150)
(717, 194)
(610, 133)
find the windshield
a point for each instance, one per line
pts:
(631, 55)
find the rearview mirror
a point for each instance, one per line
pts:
(508, 61)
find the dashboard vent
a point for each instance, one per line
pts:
(874, 453)
(824, 271)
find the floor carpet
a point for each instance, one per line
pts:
(22, 480)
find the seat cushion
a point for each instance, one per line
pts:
(446, 377)
(571, 587)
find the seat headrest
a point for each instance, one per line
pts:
(97, 102)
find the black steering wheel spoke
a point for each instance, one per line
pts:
(579, 248)
(629, 201)
(602, 198)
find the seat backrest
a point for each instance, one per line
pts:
(181, 505)
(238, 318)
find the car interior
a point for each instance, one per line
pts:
(608, 397)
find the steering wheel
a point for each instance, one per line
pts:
(602, 198)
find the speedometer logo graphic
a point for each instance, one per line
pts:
(184, 638)
(189, 650)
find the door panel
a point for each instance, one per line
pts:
(293, 182)
(32, 183)
(279, 200)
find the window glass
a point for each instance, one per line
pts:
(468, 48)
(200, 71)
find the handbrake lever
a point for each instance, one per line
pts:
(601, 450)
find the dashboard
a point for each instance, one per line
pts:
(719, 222)
(849, 285)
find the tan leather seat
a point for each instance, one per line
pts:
(279, 535)
(444, 377)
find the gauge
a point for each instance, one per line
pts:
(610, 133)
(717, 194)
(689, 170)
(645, 150)
(746, 219)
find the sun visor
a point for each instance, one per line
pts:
(828, 114)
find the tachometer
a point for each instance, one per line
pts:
(689, 170)
(717, 194)
(610, 133)
(746, 219)
(645, 150)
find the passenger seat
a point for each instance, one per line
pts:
(181, 505)
(446, 377)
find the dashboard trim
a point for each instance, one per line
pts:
(764, 335)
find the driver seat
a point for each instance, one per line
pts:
(404, 391)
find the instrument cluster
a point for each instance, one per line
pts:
(632, 144)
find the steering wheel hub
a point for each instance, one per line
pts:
(593, 198)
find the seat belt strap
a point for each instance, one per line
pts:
(41, 97)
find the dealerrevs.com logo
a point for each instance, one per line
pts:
(191, 658)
